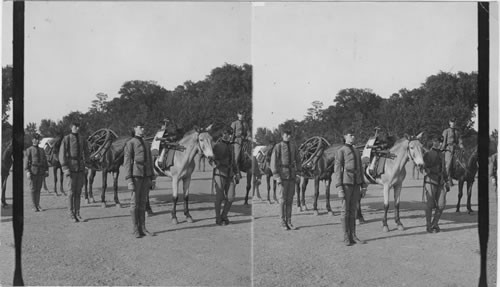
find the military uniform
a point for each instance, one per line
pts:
(451, 138)
(223, 180)
(35, 164)
(138, 164)
(434, 180)
(73, 154)
(284, 164)
(240, 132)
(349, 179)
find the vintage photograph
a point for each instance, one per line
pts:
(138, 120)
(248, 144)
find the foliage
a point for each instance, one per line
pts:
(7, 86)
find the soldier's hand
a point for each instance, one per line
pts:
(28, 175)
(363, 192)
(131, 186)
(341, 193)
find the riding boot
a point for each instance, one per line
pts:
(435, 226)
(142, 216)
(343, 222)
(134, 224)
(225, 211)
(354, 238)
(218, 219)
(428, 214)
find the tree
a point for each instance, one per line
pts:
(7, 91)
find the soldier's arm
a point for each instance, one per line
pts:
(274, 165)
(27, 161)
(339, 169)
(62, 155)
(128, 161)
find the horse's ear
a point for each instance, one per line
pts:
(419, 136)
(209, 128)
(407, 136)
(196, 128)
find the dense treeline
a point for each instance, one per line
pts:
(425, 109)
(215, 99)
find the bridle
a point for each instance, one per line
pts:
(408, 149)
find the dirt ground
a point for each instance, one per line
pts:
(314, 254)
(102, 250)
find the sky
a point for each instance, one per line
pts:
(74, 50)
(300, 52)
(304, 52)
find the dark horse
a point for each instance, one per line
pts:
(245, 165)
(51, 147)
(263, 168)
(6, 165)
(110, 162)
(464, 169)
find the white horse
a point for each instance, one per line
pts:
(195, 141)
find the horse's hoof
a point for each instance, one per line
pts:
(103, 205)
(401, 227)
(118, 205)
(93, 200)
(457, 211)
(358, 222)
(305, 207)
(385, 229)
(315, 212)
(189, 219)
(175, 221)
(4, 204)
(57, 194)
(299, 209)
(245, 203)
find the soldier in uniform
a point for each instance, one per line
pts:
(434, 180)
(138, 164)
(240, 132)
(36, 166)
(284, 164)
(73, 154)
(350, 185)
(451, 138)
(223, 177)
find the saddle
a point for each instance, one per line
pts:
(310, 152)
(374, 156)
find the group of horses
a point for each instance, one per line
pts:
(200, 142)
(404, 150)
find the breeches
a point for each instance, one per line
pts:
(350, 202)
(237, 151)
(35, 185)
(224, 188)
(75, 183)
(286, 191)
(140, 193)
(448, 156)
(435, 196)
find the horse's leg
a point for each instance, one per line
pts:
(54, 171)
(115, 187)
(460, 193)
(61, 182)
(249, 186)
(397, 197)
(268, 182)
(275, 184)
(469, 195)
(327, 193)
(297, 189)
(185, 187)
(385, 228)
(175, 198)
(45, 185)
(91, 182)
(316, 196)
(4, 187)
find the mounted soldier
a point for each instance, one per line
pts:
(240, 133)
(164, 143)
(451, 138)
(377, 151)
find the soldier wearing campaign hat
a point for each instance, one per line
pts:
(36, 166)
(451, 139)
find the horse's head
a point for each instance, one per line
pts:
(205, 142)
(416, 150)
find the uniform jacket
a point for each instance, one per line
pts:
(224, 160)
(285, 161)
(451, 137)
(73, 153)
(348, 168)
(434, 167)
(137, 159)
(35, 161)
(240, 129)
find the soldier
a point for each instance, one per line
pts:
(434, 180)
(451, 138)
(284, 165)
(73, 154)
(240, 133)
(138, 164)
(350, 185)
(36, 166)
(224, 177)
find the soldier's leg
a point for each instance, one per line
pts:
(38, 189)
(134, 208)
(441, 203)
(237, 151)
(31, 184)
(282, 205)
(290, 191)
(229, 196)
(344, 214)
(146, 184)
(429, 205)
(219, 197)
(80, 178)
(161, 158)
(71, 196)
(448, 158)
(355, 200)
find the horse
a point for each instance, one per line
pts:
(322, 171)
(194, 142)
(51, 147)
(403, 150)
(6, 165)
(110, 162)
(464, 169)
(245, 165)
(263, 168)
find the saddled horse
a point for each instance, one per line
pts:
(110, 162)
(464, 169)
(262, 168)
(322, 171)
(6, 165)
(245, 165)
(51, 147)
(195, 141)
(404, 149)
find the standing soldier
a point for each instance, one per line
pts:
(240, 132)
(73, 154)
(451, 138)
(138, 164)
(434, 180)
(35, 163)
(223, 177)
(284, 165)
(350, 185)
